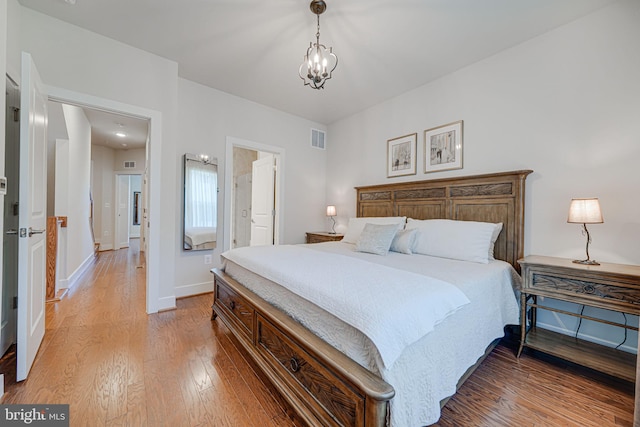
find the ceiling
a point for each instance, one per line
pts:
(104, 126)
(253, 48)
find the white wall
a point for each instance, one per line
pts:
(207, 116)
(103, 193)
(56, 129)
(565, 104)
(78, 231)
(137, 155)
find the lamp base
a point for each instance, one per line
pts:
(586, 262)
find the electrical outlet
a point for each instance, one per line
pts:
(208, 259)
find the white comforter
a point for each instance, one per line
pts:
(428, 370)
(387, 299)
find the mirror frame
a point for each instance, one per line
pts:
(187, 242)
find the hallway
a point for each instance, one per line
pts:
(117, 366)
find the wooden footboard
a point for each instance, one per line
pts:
(325, 387)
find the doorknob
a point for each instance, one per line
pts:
(11, 232)
(32, 231)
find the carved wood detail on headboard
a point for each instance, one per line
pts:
(496, 197)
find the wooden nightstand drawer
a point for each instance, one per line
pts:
(321, 236)
(593, 289)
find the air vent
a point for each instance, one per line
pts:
(130, 165)
(317, 139)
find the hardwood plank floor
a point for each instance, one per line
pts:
(117, 366)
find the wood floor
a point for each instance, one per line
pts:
(117, 366)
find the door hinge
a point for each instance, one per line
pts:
(16, 114)
(16, 209)
(15, 302)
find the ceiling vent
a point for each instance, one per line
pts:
(317, 138)
(130, 164)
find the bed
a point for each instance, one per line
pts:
(199, 238)
(330, 383)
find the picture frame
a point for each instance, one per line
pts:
(443, 147)
(401, 155)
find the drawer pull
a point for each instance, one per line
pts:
(589, 289)
(232, 304)
(294, 365)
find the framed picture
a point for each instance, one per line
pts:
(401, 155)
(443, 147)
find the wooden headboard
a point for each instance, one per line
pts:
(496, 197)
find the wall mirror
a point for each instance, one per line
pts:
(200, 202)
(137, 208)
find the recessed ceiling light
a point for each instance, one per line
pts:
(71, 2)
(124, 145)
(121, 134)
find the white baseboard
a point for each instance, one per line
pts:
(167, 303)
(195, 289)
(77, 274)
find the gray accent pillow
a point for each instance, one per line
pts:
(403, 241)
(376, 238)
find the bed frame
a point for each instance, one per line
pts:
(321, 384)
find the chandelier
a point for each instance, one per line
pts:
(319, 62)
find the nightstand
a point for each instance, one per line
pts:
(609, 286)
(323, 236)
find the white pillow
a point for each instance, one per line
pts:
(463, 240)
(376, 238)
(494, 237)
(403, 241)
(356, 225)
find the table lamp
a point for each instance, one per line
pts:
(331, 213)
(585, 211)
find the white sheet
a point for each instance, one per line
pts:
(388, 299)
(428, 370)
(198, 235)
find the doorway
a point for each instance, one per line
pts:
(240, 199)
(151, 179)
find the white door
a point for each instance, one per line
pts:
(32, 217)
(122, 212)
(262, 201)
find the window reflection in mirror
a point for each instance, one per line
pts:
(200, 202)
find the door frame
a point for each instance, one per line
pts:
(153, 166)
(279, 154)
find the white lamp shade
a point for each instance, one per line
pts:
(331, 210)
(585, 211)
